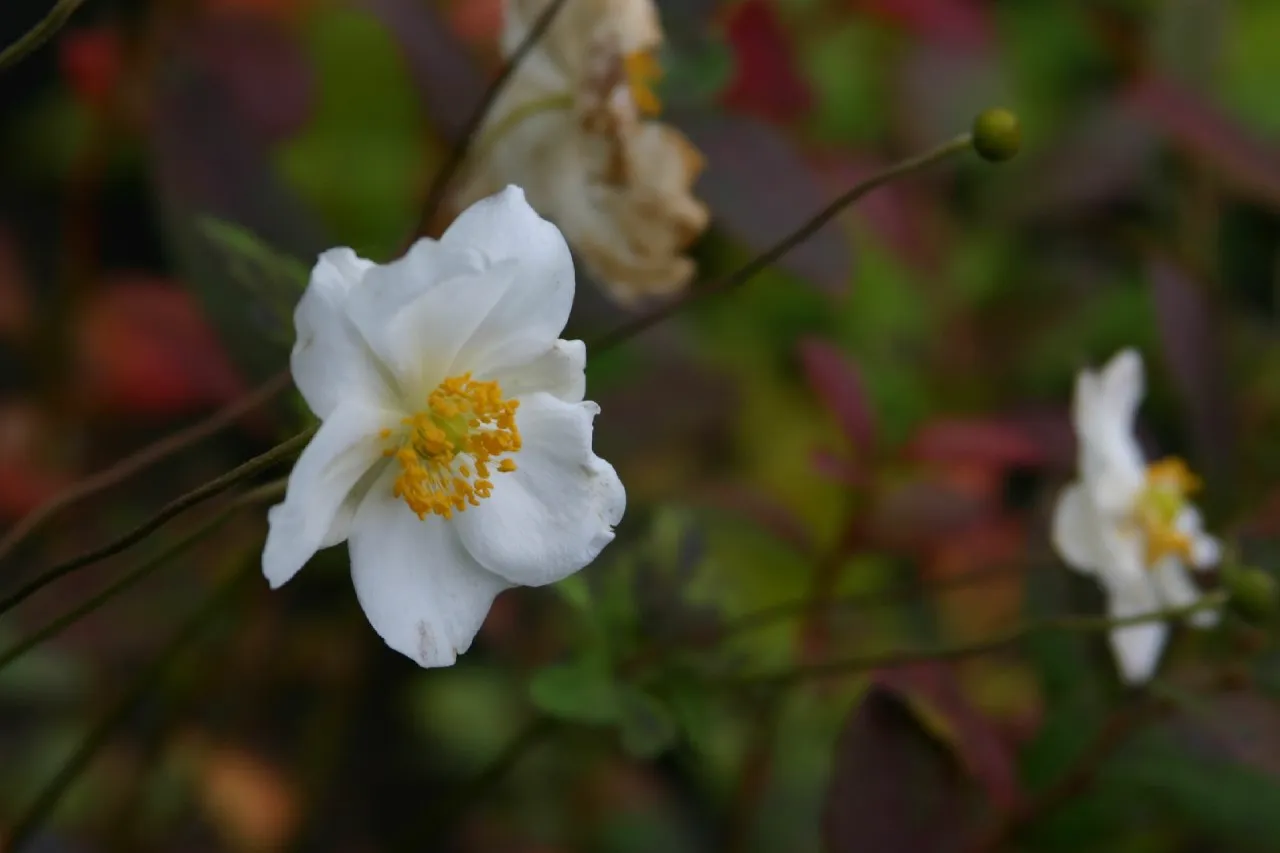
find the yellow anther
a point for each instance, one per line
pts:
(465, 426)
(643, 72)
(1169, 483)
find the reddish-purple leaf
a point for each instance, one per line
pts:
(760, 189)
(917, 515)
(1099, 159)
(978, 743)
(1205, 131)
(996, 442)
(963, 23)
(766, 80)
(835, 381)
(207, 161)
(444, 71)
(1191, 350)
(836, 467)
(263, 69)
(759, 508)
(894, 787)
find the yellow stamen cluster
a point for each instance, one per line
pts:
(1169, 482)
(448, 452)
(643, 72)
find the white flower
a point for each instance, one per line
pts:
(573, 129)
(454, 456)
(1127, 523)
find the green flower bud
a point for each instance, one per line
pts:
(1254, 593)
(996, 135)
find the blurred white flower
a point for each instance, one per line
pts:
(1127, 523)
(573, 128)
(455, 454)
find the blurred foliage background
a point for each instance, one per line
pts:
(853, 454)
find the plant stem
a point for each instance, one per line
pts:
(176, 507)
(47, 27)
(142, 570)
(609, 340)
(140, 461)
(1087, 624)
(458, 154)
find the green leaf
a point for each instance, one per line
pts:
(1233, 804)
(648, 728)
(583, 692)
(361, 161)
(575, 591)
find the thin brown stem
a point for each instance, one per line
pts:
(214, 487)
(138, 573)
(458, 153)
(143, 459)
(963, 142)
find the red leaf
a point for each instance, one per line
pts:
(894, 787)
(973, 737)
(15, 299)
(92, 63)
(263, 70)
(998, 443)
(766, 82)
(836, 382)
(1205, 131)
(963, 23)
(146, 349)
(837, 468)
(24, 483)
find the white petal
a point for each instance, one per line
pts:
(1176, 589)
(560, 371)
(330, 360)
(529, 320)
(1137, 647)
(1075, 530)
(346, 446)
(420, 589)
(415, 312)
(1104, 409)
(556, 512)
(1206, 550)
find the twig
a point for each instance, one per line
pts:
(1090, 624)
(143, 459)
(46, 800)
(142, 570)
(458, 153)
(963, 142)
(47, 27)
(174, 508)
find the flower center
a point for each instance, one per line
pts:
(643, 72)
(1169, 482)
(445, 451)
